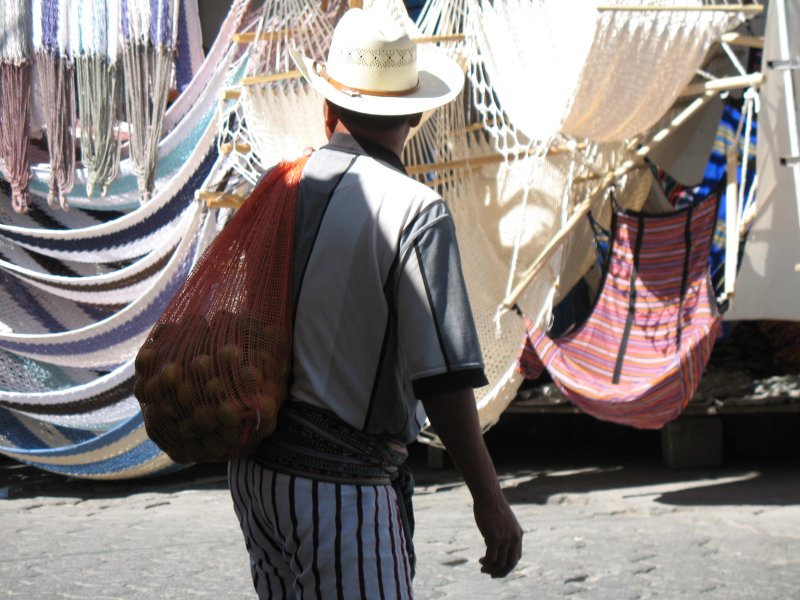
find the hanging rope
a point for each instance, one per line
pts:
(95, 43)
(56, 77)
(16, 70)
(148, 53)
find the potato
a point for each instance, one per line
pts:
(187, 396)
(152, 389)
(146, 360)
(202, 367)
(231, 436)
(228, 415)
(166, 330)
(139, 385)
(214, 389)
(188, 429)
(250, 379)
(230, 357)
(205, 417)
(170, 377)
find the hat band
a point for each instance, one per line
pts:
(319, 69)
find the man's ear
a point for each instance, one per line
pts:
(415, 120)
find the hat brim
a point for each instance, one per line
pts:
(440, 80)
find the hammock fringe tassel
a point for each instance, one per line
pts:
(57, 80)
(15, 102)
(99, 98)
(147, 80)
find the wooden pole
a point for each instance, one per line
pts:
(737, 39)
(724, 83)
(584, 207)
(269, 78)
(748, 8)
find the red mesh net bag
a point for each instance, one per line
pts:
(213, 371)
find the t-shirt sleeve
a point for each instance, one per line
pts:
(436, 328)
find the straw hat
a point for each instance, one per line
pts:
(373, 68)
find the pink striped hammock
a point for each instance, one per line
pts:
(638, 358)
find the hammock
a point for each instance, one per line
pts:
(638, 64)
(90, 284)
(96, 41)
(278, 114)
(729, 138)
(100, 404)
(15, 96)
(484, 190)
(124, 452)
(107, 343)
(639, 357)
(189, 44)
(56, 72)
(182, 124)
(186, 143)
(149, 37)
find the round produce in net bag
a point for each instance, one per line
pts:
(213, 371)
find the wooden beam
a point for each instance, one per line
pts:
(220, 199)
(745, 8)
(737, 39)
(240, 147)
(230, 94)
(248, 37)
(724, 83)
(270, 77)
(432, 39)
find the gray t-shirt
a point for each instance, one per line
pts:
(382, 316)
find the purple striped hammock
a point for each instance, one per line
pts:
(638, 358)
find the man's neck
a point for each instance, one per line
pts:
(394, 140)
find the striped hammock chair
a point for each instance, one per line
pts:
(638, 358)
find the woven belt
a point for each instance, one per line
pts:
(312, 443)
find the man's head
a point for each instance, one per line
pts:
(373, 69)
(366, 125)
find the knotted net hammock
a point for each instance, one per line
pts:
(16, 74)
(56, 76)
(96, 49)
(149, 36)
(277, 114)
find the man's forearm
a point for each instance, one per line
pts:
(455, 419)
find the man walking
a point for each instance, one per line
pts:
(382, 330)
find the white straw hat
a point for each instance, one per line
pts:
(373, 68)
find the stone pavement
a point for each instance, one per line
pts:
(602, 519)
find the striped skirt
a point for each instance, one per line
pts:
(315, 539)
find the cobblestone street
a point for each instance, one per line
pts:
(603, 519)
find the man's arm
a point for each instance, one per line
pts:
(454, 416)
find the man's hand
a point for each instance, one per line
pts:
(455, 418)
(502, 534)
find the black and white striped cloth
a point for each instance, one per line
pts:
(315, 539)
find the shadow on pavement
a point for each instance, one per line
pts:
(546, 457)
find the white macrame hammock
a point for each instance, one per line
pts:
(277, 114)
